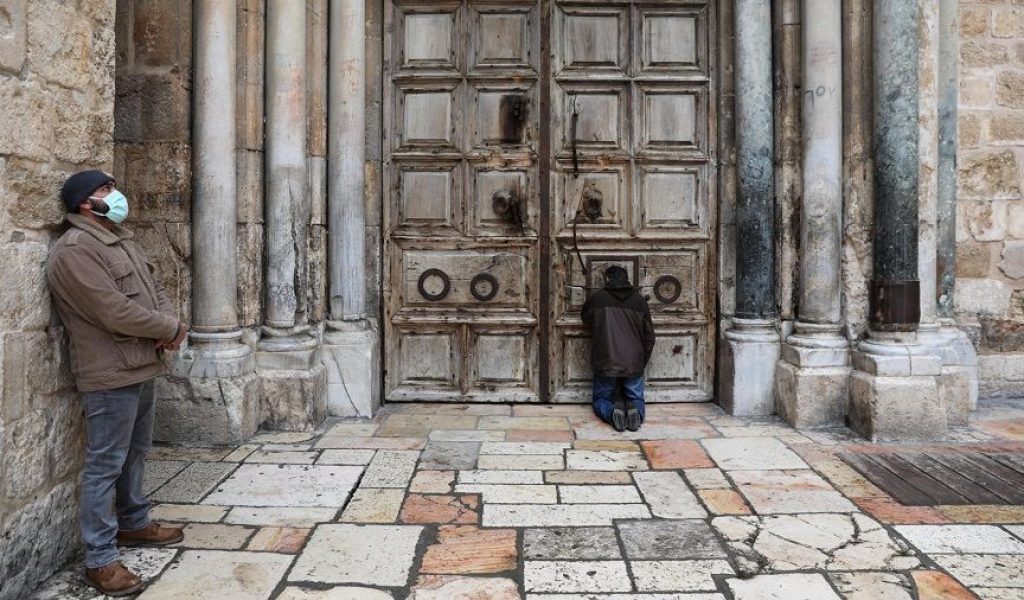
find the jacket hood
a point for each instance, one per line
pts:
(621, 291)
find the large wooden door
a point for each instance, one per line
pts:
(521, 140)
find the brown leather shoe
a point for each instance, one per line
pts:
(114, 580)
(153, 534)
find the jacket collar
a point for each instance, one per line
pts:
(107, 236)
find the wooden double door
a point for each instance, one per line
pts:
(529, 145)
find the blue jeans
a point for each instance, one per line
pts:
(604, 395)
(119, 433)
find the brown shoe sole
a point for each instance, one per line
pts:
(167, 542)
(135, 589)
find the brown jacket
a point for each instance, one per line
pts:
(112, 306)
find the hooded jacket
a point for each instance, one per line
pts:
(112, 306)
(621, 330)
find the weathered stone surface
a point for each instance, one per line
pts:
(603, 460)
(512, 494)
(678, 575)
(598, 494)
(668, 496)
(539, 462)
(588, 477)
(368, 554)
(209, 411)
(293, 400)
(1007, 127)
(466, 549)
(974, 259)
(811, 396)
(501, 477)
(1010, 89)
(961, 539)
(24, 562)
(390, 469)
(422, 508)
(560, 515)
(286, 485)
(676, 454)
(213, 536)
(990, 570)
(432, 482)
(983, 54)
(373, 505)
(582, 576)
(669, 540)
(286, 540)
(990, 176)
(795, 491)
(449, 455)
(280, 516)
(1012, 264)
(12, 43)
(193, 482)
(220, 574)
(982, 296)
(571, 543)
(724, 502)
(335, 593)
(24, 287)
(896, 408)
(936, 585)
(187, 513)
(872, 586)
(752, 454)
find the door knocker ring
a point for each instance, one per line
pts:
(434, 297)
(484, 278)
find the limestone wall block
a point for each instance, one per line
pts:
(169, 247)
(27, 121)
(986, 220)
(318, 301)
(1008, 23)
(1010, 89)
(152, 107)
(37, 538)
(982, 296)
(1007, 128)
(974, 21)
(157, 178)
(977, 92)
(12, 42)
(974, 259)
(1015, 221)
(1012, 264)
(23, 287)
(66, 436)
(250, 274)
(983, 55)
(250, 186)
(970, 129)
(26, 465)
(78, 56)
(161, 32)
(989, 175)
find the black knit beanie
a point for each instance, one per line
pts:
(79, 186)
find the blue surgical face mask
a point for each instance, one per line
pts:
(117, 206)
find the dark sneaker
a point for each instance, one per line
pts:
(619, 419)
(633, 420)
(153, 534)
(113, 580)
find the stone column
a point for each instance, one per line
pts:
(958, 385)
(813, 375)
(753, 343)
(352, 346)
(221, 405)
(893, 391)
(292, 377)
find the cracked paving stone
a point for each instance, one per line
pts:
(668, 495)
(192, 483)
(816, 541)
(219, 574)
(752, 454)
(988, 570)
(373, 505)
(390, 469)
(936, 585)
(467, 549)
(449, 456)
(961, 539)
(447, 587)
(422, 508)
(669, 540)
(571, 543)
(872, 586)
(286, 485)
(633, 596)
(334, 593)
(678, 575)
(797, 586)
(380, 555)
(801, 491)
(576, 576)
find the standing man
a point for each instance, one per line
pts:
(621, 342)
(118, 320)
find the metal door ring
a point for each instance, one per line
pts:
(663, 294)
(483, 278)
(440, 275)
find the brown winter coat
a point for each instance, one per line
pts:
(113, 308)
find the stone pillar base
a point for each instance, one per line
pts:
(351, 355)
(894, 392)
(212, 395)
(207, 411)
(292, 381)
(748, 368)
(812, 377)
(958, 382)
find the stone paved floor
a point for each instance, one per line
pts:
(474, 502)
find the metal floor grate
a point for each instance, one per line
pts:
(933, 478)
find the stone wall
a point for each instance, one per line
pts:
(57, 98)
(990, 235)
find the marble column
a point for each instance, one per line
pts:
(288, 360)
(958, 385)
(213, 395)
(893, 390)
(352, 345)
(812, 377)
(753, 342)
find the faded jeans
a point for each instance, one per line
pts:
(604, 395)
(119, 433)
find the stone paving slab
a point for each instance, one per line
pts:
(571, 543)
(193, 482)
(752, 454)
(334, 593)
(286, 485)
(783, 587)
(216, 574)
(961, 539)
(576, 576)
(280, 516)
(367, 554)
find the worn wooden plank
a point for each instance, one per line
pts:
(886, 479)
(959, 481)
(1013, 461)
(996, 485)
(997, 469)
(942, 493)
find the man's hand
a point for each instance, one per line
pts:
(175, 344)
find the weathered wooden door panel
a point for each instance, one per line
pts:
(476, 215)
